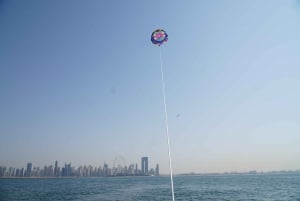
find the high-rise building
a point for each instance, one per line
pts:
(2, 171)
(67, 170)
(157, 170)
(144, 165)
(18, 172)
(22, 172)
(136, 169)
(56, 169)
(105, 171)
(28, 170)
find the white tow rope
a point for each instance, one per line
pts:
(166, 122)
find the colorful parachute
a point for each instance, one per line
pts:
(159, 37)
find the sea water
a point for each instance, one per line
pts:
(255, 187)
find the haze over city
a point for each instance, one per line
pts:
(80, 83)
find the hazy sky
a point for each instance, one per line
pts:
(80, 83)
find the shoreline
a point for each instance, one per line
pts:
(183, 174)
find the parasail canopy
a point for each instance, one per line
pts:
(159, 37)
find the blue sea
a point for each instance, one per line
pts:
(255, 187)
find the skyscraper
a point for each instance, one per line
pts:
(157, 170)
(144, 165)
(28, 170)
(105, 170)
(56, 169)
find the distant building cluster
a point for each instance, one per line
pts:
(82, 171)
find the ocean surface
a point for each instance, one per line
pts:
(256, 187)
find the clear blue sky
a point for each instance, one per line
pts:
(80, 83)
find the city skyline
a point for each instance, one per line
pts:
(67, 170)
(80, 82)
